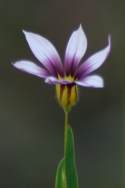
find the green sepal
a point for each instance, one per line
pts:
(60, 175)
(70, 163)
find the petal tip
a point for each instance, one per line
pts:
(80, 29)
(24, 32)
(101, 85)
(16, 64)
(109, 37)
(13, 64)
(109, 40)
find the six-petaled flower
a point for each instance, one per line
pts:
(69, 74)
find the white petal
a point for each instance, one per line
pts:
(91, 81)
(31, 68)
(53, 80)
(43, 50)
(96, 60)
(76, 46)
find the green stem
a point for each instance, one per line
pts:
(65, 130)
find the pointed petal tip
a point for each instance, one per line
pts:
(80, 27)
(109, 37)
(109, 45)
(24, 32)
(14, 64)
(109, 41)
(27, 33)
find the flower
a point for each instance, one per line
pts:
(70, 74)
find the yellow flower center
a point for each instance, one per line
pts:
(67, 95)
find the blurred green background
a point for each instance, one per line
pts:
(31, 122)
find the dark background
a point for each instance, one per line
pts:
(31, 122)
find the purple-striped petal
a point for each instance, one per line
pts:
(45, 52)
(95, 61)
(76, 49)
(91, 81)
(31, 68)
(53, 80)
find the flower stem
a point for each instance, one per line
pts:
(66, 125)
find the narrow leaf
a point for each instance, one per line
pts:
(70, 164)
(60, 175)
